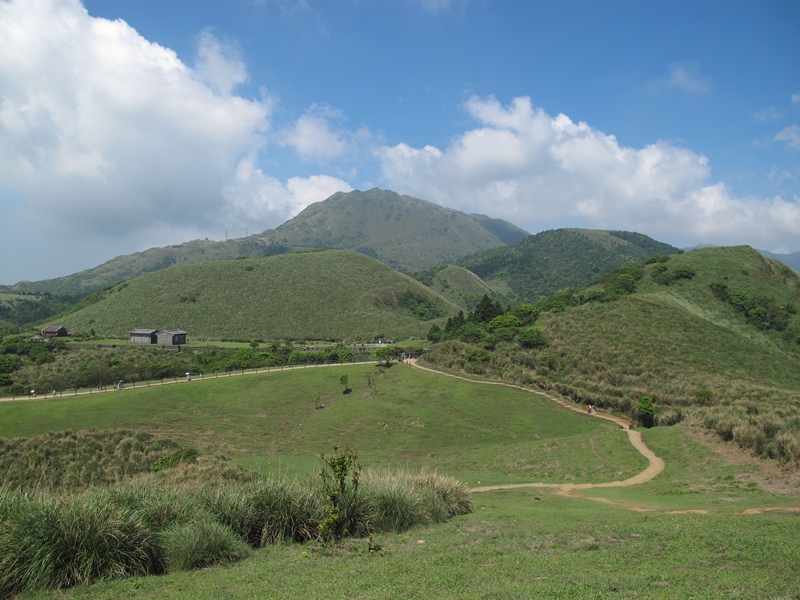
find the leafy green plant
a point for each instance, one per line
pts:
(340, 478)
(185, 456)
(647, 410)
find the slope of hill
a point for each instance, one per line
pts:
(404, 232)
(712, 336)
(307, 295)
(792, 260)
(547, 262)
(459, 285)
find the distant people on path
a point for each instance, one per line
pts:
(33, 393)
(590, 409)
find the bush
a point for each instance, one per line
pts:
(532, 337)
(201, 545)
(647, 411)
(52, 543)
(392, 506)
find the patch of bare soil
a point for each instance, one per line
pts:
(768, 475)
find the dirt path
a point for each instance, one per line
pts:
(569, 490)
(196, 378)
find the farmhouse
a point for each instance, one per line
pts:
(174, 337)
(52, 331)
(143, 336)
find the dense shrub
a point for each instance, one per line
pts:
(47, 542)
(201, 545)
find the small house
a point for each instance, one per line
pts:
(52, 331)
(174, 337)
(143, 336)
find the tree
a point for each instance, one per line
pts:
(384, 354)
(647, 411)
(434, 333)
(344, 380)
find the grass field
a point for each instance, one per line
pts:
(519, 543)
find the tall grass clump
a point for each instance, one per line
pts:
(201, 545)
(52, 542)
(266, 512)
(73, 460)
(158, 507)
(402, 500)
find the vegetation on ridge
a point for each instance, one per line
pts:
(711, 336)
(550, 261)
(330, 295)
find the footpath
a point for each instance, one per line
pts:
(569, 490)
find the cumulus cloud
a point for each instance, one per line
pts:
(116, 142)
(258, 198)
(218, 64)
(105, 133)
(531, 168)
(318, 136)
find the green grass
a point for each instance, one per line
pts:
(697, 357)
(532, 543)
(394, 417)
(528, 542)
(343, 295)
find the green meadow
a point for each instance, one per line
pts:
(698, 530)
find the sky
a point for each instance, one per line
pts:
(128, 124)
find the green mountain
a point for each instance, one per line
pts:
(542, 264)
(459, 285)
(404, 232)
(305, 295)
(712, 336)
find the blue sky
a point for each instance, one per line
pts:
(127, 124)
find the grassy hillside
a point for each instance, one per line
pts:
(698, 530)
(731, 363)
(281, 421)
(551, 261)
(406, 233)
(21, 309)
(311, 295)
(459, 285)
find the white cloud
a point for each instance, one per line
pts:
(261, 201)
(790, 136)
(796, 98)
(219, 65)
(110, 137)
(98, 125)
(533, 169)
(316, 135)
(684, 76)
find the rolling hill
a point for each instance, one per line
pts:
(547, 262)
(307, 295)
(459, 285)
(712, 336)
(406, 233)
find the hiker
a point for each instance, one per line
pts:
(33, 393)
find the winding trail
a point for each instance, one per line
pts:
(569, 490)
